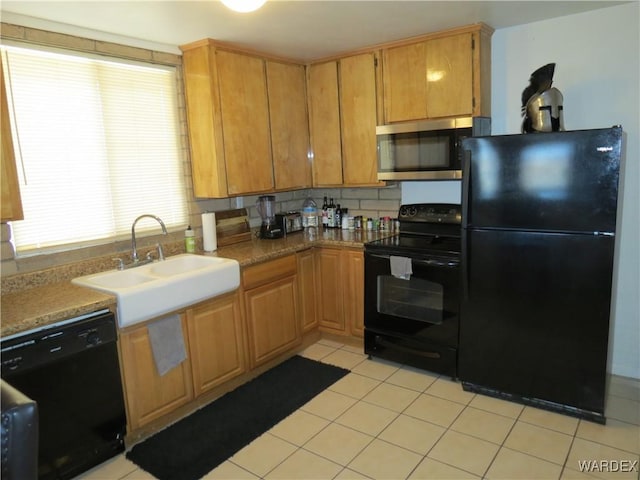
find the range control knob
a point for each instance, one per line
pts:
(412, 211)
(403, 211)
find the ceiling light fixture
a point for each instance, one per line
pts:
(244, 6)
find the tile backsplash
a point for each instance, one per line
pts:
(368, 202)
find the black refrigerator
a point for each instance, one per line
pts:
(539, 225)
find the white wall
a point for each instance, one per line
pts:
(598, 73)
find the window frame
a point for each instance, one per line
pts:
(144, 58)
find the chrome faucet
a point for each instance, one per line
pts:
(134, 251)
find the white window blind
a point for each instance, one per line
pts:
(97, 144)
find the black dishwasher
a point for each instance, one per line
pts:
(71, 370)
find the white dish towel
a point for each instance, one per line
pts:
(400, 267)
(167, 343)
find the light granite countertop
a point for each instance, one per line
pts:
(42, 298)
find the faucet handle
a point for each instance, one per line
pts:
(150, 255)
(119, 264)
(160, 252)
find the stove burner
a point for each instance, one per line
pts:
(425, 229)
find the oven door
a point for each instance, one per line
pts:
(413, 321)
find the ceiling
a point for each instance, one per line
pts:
(300, 29)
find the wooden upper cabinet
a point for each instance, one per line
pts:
(228, 114)
(444, 75)
(11, 203)
(251, 113)
(450, 76)
(324, 123)
(358, 119)
(405, 88)
(245, 122)
(289, 125)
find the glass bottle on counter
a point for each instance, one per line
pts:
(345, 219)
(331, 214)
(338, 217)
(325, 207)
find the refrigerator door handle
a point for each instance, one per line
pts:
(466, 186)
(464, 261)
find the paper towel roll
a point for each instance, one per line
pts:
(209, 237)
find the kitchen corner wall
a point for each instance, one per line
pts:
(598, 73)
(9, 264)
(369, 202)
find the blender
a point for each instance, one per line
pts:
(266, 205)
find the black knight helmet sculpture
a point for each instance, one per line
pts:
(542, 103)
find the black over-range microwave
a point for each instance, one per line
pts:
(427, 149)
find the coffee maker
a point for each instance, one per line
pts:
(266, 205)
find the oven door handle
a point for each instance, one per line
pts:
(431, 262)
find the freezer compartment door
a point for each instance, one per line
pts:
(535, 315)
(563, 181)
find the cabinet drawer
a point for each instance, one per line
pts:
(262, 273)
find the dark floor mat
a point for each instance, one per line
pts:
(195, 445)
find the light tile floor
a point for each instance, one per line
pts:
(388, 421)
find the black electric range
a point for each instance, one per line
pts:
(411, 316)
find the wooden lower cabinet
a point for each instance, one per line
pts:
(149, 395)
(330, 286)
(340, 279)
(229, 335)
(354, 291)
(271, 308)
(216, 342)
(307, 289)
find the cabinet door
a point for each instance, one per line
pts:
(404, 85)
(289, 125)
(307, 289)
(272, 319)
(330, 289)
(450, 76)
(324, 124)
(354, 291)
(11, 203)
(202, 97)
(358, 115)
(245, 120)
(149, 395)
(216, 342)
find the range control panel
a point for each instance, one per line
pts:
(444, 213)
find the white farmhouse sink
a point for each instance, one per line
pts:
(161, 287)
